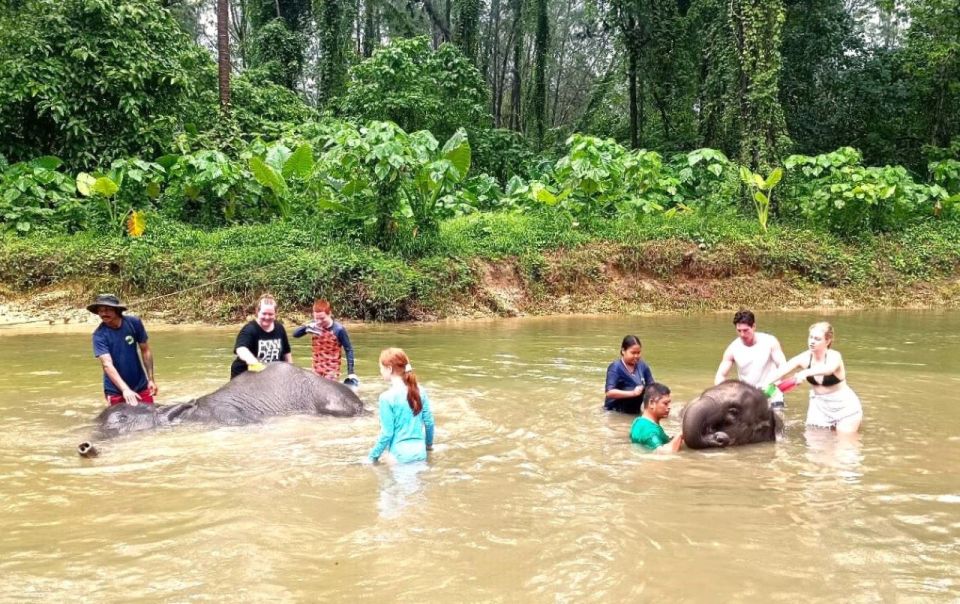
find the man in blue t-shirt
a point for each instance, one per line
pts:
(127, 375)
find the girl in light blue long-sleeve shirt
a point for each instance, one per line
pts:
(406, 420)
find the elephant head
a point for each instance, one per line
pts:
(729, 414)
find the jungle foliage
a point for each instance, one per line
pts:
(387, 123)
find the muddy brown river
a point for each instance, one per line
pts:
(533, 493)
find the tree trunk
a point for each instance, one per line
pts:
(561, 54)
(370, 36)
(495, 91)
(515, 121)
(331, 45)
(223, 52)
(541, 44)
(632, 82)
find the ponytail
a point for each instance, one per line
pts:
(399, 364)
(413, 392)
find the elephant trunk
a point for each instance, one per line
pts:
(696, 418)
(87, 449)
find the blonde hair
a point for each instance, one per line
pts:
(399, 364)
(266, 299)
(827, 331)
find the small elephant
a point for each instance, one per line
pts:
(729, 414)
(280, 389)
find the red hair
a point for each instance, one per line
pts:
(398, 362)
(321, 305)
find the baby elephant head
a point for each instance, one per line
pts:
(729, 414)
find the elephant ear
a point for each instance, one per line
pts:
(175, 412)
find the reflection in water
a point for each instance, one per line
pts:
(533, 494)
(841, 452)
(399, 486)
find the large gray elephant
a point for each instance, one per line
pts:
(729, 414)
(280, 389)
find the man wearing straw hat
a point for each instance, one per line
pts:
(127, 376)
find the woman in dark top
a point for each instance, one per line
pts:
(626, 378)
(833, 404)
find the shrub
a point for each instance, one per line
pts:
(835, 190)
(93, 80)
(37, 195)
(418, 88)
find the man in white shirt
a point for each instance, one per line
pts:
(757, 356)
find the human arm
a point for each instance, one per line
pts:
(726, 363)
(301, 331)
(427, 412)
(129, 396)
(386, 430)
(147, 355)
(246, 342)
(344, 340)
(788, 366)
(833, 364)
(650, 434)
(285, 349)
(612, 386)
(776, 352)
(246, 356)
(647, 373)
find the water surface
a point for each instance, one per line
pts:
(532, 493)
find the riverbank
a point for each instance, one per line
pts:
(485, 265)
(64, 309)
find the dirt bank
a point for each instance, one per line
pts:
(591, 280)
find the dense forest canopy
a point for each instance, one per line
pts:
(395, 115)
(757, 80)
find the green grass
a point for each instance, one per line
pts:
(299, 260)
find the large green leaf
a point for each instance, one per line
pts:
(329, 204)
(277, 156)
(299, 164)
(85, 183)
(773, 179)
(457, 152)
(48, 162)
(167, 161)
(105, 186)
(268, 177)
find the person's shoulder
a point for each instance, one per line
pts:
(768, 337)
(615, 365)
(392, 395)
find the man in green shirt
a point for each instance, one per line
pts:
(646, 429)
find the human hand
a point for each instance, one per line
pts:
(638, 390)
(256, 367)
(352, 380)
(130, 397)
(366, 460)
(152, 388)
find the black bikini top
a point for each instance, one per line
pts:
(828, 380)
